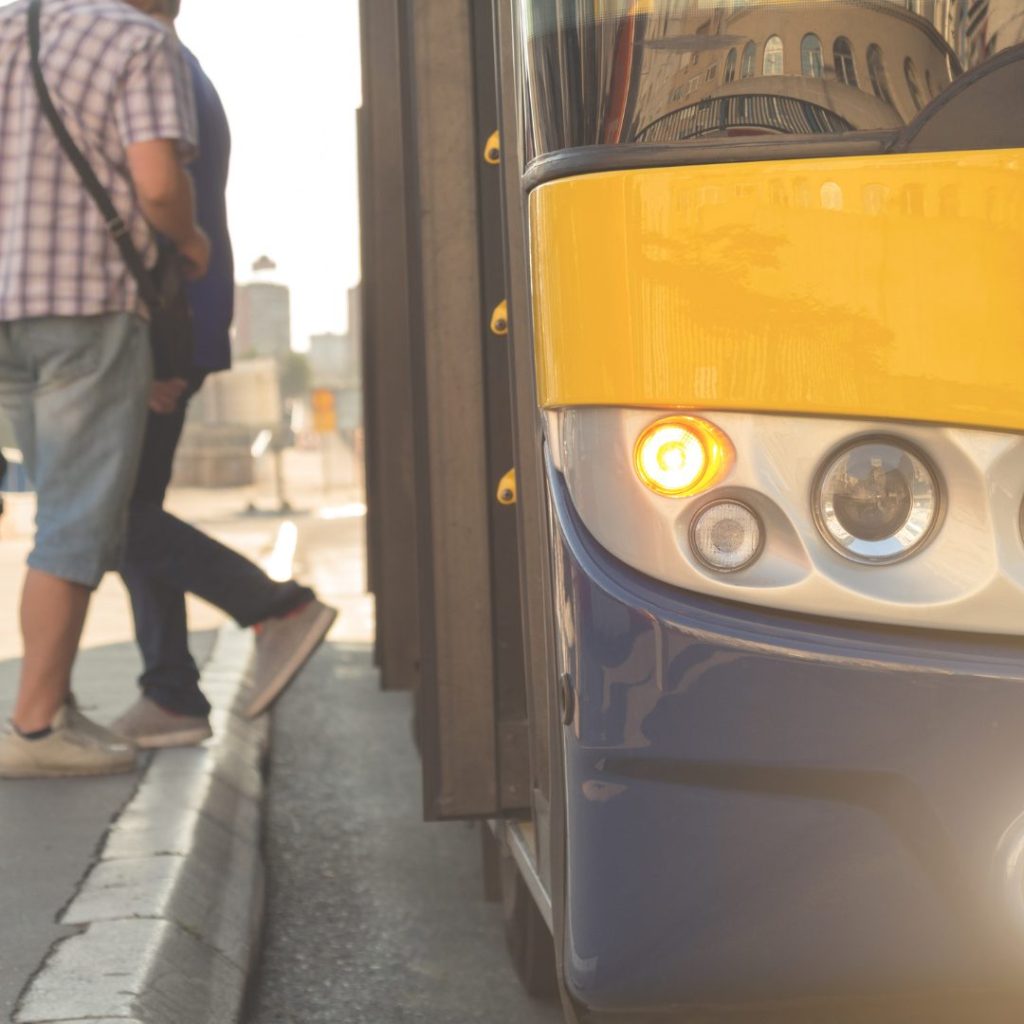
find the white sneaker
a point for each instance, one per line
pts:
(72, 749)
(283, 646)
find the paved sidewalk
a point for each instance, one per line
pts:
(112, 890)
(167, 916)
(50, 830)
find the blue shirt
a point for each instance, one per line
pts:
(213, 297)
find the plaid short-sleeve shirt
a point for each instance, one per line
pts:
(116, 77)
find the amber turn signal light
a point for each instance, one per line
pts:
(681, 456)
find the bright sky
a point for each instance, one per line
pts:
(289, 76)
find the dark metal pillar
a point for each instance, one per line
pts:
(391, 489)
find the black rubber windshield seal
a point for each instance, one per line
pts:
(569, 163)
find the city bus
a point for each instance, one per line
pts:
(696, 457)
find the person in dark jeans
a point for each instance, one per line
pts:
(166, 558)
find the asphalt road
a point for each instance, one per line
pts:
(373, 917)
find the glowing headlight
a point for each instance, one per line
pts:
(726, 536)
(680, 456)
(877, 501)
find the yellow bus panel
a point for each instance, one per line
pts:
(884, 287)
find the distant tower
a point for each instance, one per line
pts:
(263, 314)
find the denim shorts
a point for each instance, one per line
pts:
(75, 390)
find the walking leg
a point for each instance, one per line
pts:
(178, 555)
(170, 677)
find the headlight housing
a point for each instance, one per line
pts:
(961, 571)
(727, 536)
(877, 500)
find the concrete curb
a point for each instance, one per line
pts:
(171, 911)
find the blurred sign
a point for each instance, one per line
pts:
(325, 417)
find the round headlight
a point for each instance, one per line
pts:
(680, 456)
(726, 536)
(877, 501)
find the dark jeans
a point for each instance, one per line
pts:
(166, 558)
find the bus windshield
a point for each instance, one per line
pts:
(613, 72)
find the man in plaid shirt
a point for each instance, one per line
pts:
(75, 363)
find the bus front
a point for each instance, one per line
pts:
(779, 339)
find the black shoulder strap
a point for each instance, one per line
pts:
(115, 225)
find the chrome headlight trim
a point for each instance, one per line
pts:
(923, 519)
(695, 547)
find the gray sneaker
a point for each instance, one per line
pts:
(70, 750)
(77, 720)
(283, 646)
(150, 726)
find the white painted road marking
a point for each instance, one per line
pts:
(281, 560)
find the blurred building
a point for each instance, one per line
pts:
(330, 358)
(223, 421)
(263, 320)
(246, 396)
(336, 363)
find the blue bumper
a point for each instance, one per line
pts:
(765, 810)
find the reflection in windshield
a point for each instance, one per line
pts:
(605, 72)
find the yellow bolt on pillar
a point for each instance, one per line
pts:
(507, 489)
(499, 319)
(492, 151)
